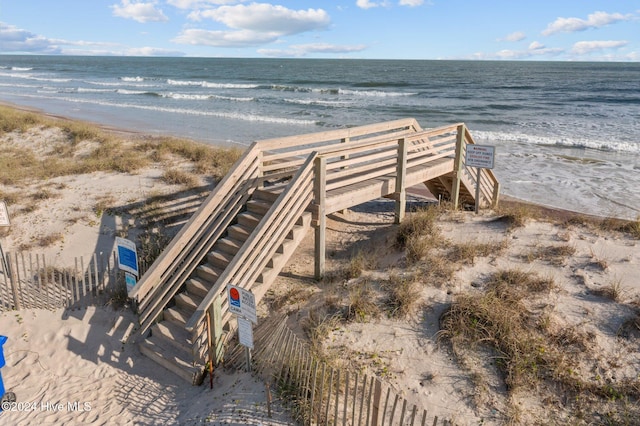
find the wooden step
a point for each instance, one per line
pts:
(259, 206)
(187, 302)
(176, 315)
(198, 287)
(249, 220)
(174, 335)
(172, 359)
(228, 245)
(208, 272)
(269, 193)
(239, 232)
(219, 260)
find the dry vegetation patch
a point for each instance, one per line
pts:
(533, 352)
(75, 147)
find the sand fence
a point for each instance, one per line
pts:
(30, 281)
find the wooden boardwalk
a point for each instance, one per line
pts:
(246, 230)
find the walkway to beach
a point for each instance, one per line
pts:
(249, 226)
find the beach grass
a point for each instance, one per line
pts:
(76, 147)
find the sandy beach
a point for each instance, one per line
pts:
(77, 367)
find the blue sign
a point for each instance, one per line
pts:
(130, 281)
(127, 256)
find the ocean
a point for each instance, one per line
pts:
(566, 134)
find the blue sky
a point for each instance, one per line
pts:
(566, 30)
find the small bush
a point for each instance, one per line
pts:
(362, 305)
(403, 294)
(556, 255)
(515, 216)
(179, 177)
(419, 223)
(467, 252)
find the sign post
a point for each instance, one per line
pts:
(480, 157)
(242, 303)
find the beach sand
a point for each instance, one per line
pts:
(77, 367)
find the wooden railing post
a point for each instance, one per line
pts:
(401, 191)
(344, 212)
(320, 194)
(215, 313)
(260, 157)
(457, 166)
(496, 194)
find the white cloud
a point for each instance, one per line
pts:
(585, 47)
(263, 17)
(367, 4)
(535, 45)
(16, 40)
(305, 49)
(594, 20)
(195, 4)
(252, 25)
(533, 50)
(411, 3)
(140, 12)
(243, 38)
(151, 51)
(513, 37)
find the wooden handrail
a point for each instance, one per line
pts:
(178, 260)
(287, 142)
(264, 240)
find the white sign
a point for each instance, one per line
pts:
(4, 215)
(242, 303)
(127, 255)
(480, 156)
(245, 332)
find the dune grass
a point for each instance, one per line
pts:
(81, 147)
(530, 350)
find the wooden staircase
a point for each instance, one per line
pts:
(169, 343)
(253, 221)
(442, 188)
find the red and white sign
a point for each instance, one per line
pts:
(242, 303)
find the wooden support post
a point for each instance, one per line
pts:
(320, 194)
(260, 159)
(401, 190)
(496, 195)
(457, 166)
(345, 212)
(216, 319)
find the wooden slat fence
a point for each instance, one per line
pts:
(320, 393)
(29, 281)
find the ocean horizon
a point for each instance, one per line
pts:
(566, 133)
